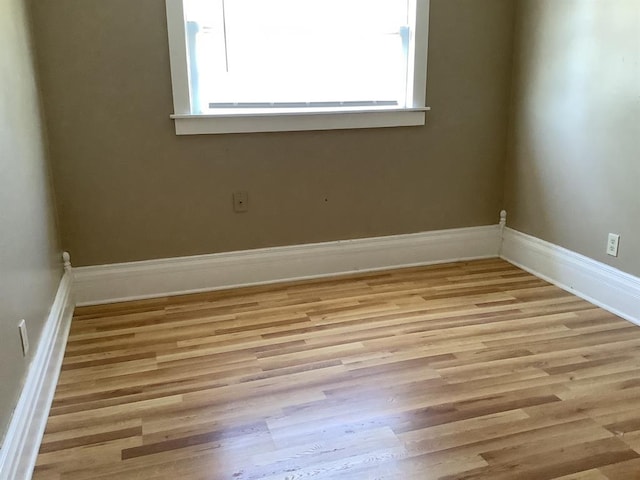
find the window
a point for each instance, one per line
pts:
(278, 65)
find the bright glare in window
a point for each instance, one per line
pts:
(309, 54)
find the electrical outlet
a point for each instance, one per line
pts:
(22, 328)
(240, 202)
(613, 244)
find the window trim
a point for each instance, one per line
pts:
(187, 123)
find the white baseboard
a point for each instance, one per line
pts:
(600, 284)
(156, 278)
(22, 441)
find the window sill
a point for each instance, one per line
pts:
(297, 121)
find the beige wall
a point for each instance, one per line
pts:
(29, 265)
(129, 189)
(574, 165)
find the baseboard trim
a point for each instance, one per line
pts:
(596, 282)
(173, 276)
(22, 441)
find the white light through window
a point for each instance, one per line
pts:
(285, 65)
(254, 54)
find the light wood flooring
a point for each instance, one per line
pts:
(472, 370)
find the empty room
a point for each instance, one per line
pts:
(319, 239)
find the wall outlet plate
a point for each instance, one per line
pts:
(240, 202)
(22, 328)
(613, 244)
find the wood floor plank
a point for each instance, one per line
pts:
(469, 370)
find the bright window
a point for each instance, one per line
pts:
(270, 65)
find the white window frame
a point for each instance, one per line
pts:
(187, 123)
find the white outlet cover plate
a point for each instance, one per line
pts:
(612, 244)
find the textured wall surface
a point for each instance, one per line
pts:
(30, 268)
(573, 172)
(129, 189)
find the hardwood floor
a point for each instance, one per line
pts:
(471, 370)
